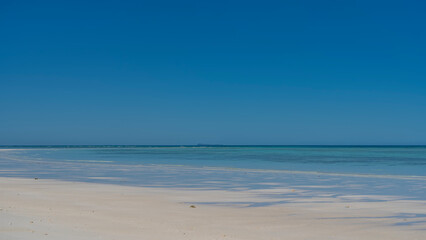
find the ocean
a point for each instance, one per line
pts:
(389, 171)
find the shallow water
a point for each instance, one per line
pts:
(359, 160)
(387, 172)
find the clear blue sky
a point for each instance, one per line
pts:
(218, 72)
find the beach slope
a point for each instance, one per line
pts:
(50, 209)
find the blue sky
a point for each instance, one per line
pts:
(218, 72)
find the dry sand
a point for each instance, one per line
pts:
(50, 209)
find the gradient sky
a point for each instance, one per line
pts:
(216, 72)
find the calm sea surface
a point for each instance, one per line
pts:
(397, 171)
(409, 161)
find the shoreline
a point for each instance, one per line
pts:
(235, 169)
(55, 209)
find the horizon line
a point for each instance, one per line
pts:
(215, 145)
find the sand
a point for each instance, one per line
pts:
(51, 209)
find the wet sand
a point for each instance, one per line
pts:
(50, 209)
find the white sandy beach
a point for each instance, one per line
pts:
(50, 209)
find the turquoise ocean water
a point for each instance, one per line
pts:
(398, 171)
